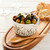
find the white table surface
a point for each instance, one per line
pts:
(6, 22)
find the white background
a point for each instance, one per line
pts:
(11, 8)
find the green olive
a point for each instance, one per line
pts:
(28, 21)
(22, 22)
(34, 21)
(28, 15)
(22, 18)
(18, 20)
(19, 14)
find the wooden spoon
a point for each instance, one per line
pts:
(19, 39)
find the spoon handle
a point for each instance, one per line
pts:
(22, 39)
(38, 36)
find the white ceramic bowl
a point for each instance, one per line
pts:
(25, 29)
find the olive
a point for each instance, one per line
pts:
(29, 18)
(22, 22)
(36, 17)
(28, 21)
(22, 18)
(28, 15)
(22, 15)
(18, 20)
(34, 21)
(19, 17)
(14, 18)
(32, 16)
(19, 14)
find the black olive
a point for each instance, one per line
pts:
(32, 16)
(36, 19)
(24, 19)
(29, 18)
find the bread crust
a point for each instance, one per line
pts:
(44, 14)
(45, 18)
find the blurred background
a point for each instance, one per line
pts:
(8, 8)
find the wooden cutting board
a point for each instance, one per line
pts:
(43, 28)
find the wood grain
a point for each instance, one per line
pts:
(28, 44)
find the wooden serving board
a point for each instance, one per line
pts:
(43, 27)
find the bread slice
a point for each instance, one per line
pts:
(42, 5)
(44, 14)
(39, 7)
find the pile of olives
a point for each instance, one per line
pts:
(30, 18)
